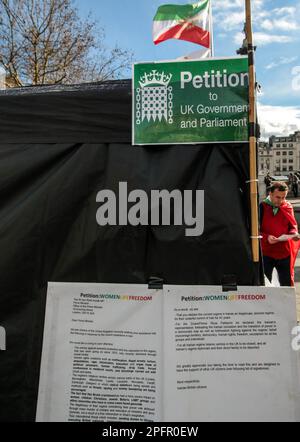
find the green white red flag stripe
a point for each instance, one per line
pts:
(183, 22)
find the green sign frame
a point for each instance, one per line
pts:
(191, 102)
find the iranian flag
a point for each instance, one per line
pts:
(184, 22)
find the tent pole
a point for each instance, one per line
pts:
(252, 137)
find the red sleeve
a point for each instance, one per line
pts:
(261, 213)
(293, 226)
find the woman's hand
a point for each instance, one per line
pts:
(272, 239)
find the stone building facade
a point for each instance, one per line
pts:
(279, 156)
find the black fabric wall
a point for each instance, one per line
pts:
(59, 147)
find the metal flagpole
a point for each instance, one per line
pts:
(252, 137)
(212, 50)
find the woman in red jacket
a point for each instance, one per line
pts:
(277, 219)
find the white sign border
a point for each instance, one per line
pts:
(177, 144)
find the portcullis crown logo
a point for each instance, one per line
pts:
(154, 98)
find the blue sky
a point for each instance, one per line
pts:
(276, 31)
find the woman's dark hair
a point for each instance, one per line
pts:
(280, 186)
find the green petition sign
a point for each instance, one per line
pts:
(191, 101)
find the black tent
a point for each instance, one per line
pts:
(59, 147)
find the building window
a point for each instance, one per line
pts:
(277, 169)
(284, 169)
(277, 145)
(284, 153)
(284, 145)
(291, 161)
(277, 153)
(284, 161)
(291, 153)
(291, 168)
(291, 145)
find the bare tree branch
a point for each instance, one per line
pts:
(45, 41)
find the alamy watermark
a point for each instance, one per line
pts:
(137, 208)
(2, 339)
(296, 78)
(296, 340)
